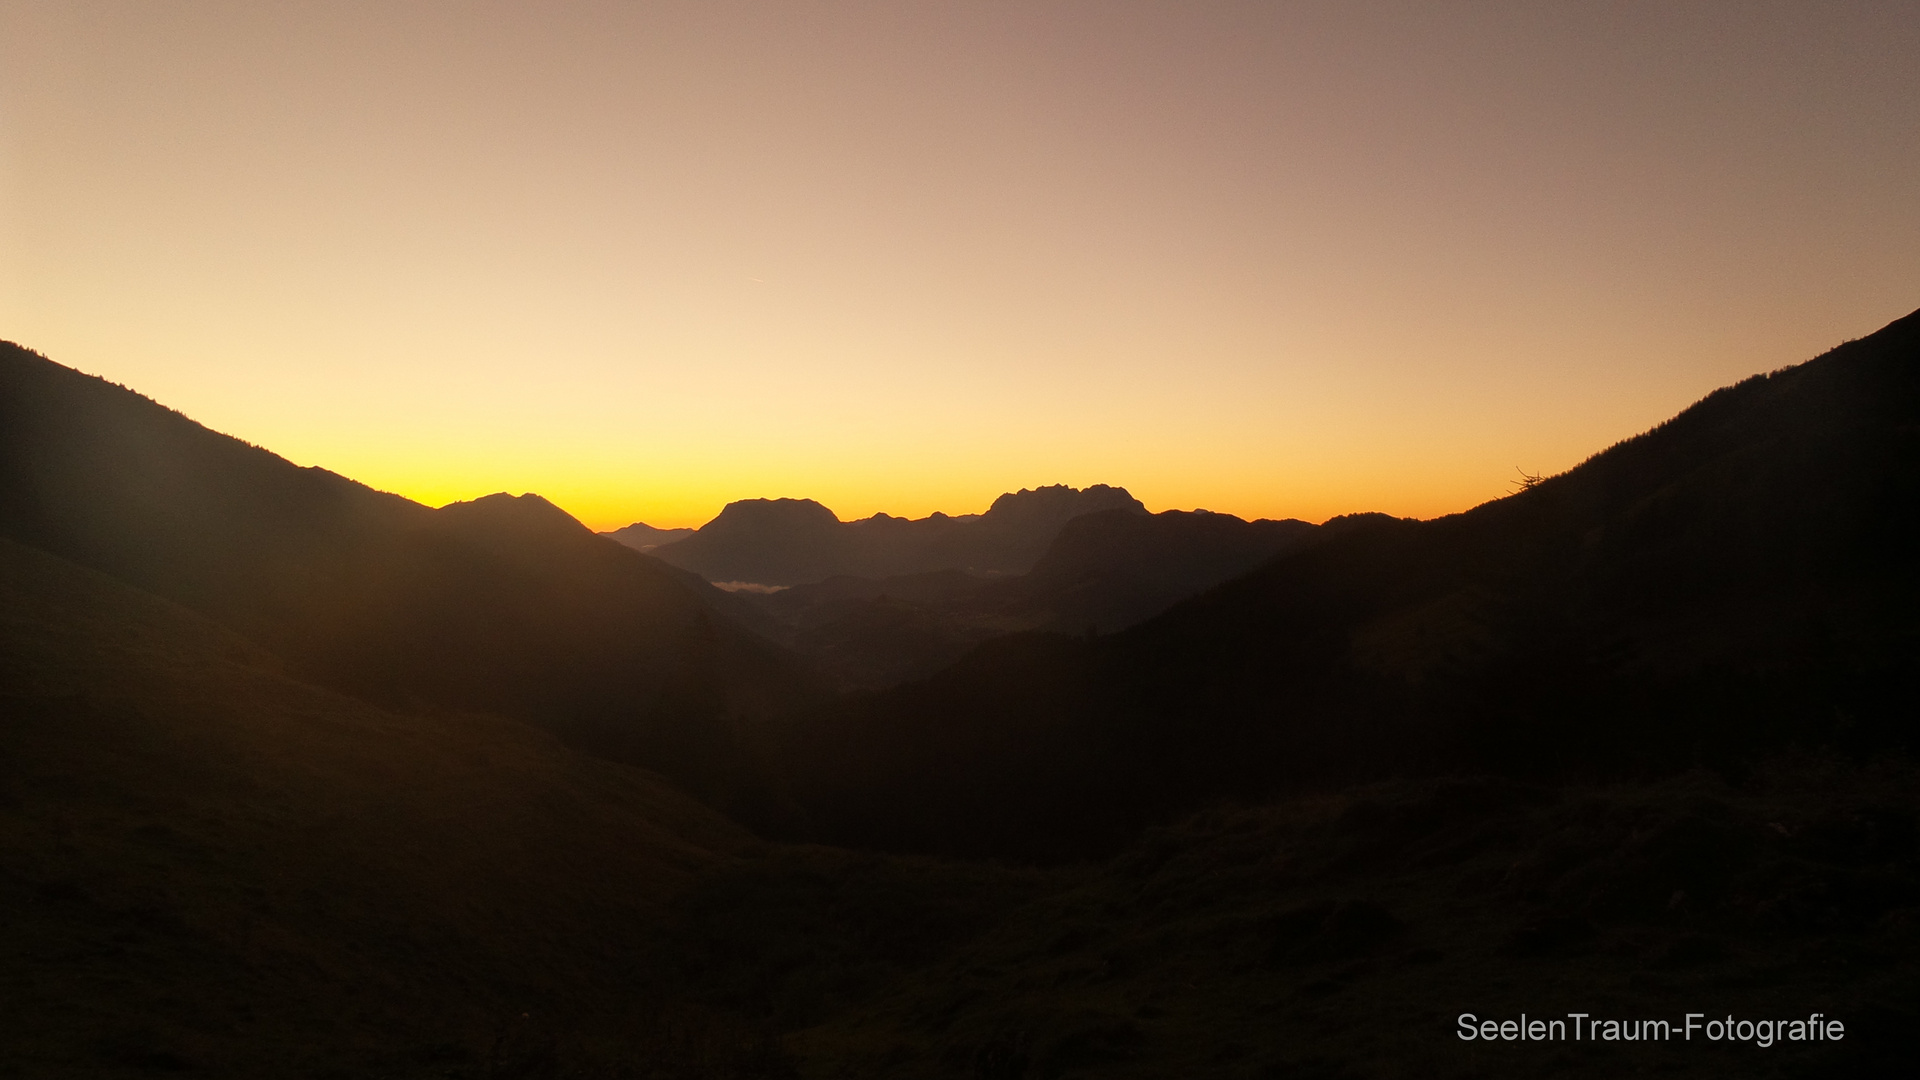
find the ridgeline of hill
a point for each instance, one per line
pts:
(1740, 579)
(505, 605)
(796, 541)
(643, 537)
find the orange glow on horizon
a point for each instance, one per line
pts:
(1271, 260)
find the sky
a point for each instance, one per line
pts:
(1281, 260)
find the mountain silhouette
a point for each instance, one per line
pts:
(764, 541)
(1105, 571)
(1108, 571)
(503, 604)
(796, 541)
(1738, 579)
(643, 537)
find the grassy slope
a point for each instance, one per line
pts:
(1341, 936)
(211, 868)
(208, 864)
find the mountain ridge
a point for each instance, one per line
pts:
(503, 604)
(789, 541)
(643, 537)
(1104, 571)
(1728, 581)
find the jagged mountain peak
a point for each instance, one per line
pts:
(799, 541)
(771, 513)
(518, 511)
(1061, 503)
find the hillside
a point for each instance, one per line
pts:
(1738, 579)
(796, 541)
(211, 867)
(1104, 572)
(1342, 934)
(503, 604)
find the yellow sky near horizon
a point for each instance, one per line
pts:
(644, 259)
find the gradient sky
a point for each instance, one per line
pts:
(1271, 259)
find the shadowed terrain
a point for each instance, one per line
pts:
(209, 866)
(1342, 935)
(1105, 571)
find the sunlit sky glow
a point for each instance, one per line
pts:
(644, 259)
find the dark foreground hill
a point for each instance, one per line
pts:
(1104, 572)
(210, 869)
(1344, 935)
(1740, 579)
(794, 541)
(207, 867)
(504, 604)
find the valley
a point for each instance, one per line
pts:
(298, 778)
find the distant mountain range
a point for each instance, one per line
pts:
(797, 541)
(875, 602)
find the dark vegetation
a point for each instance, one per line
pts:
(1341, 935)
(299, 779)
